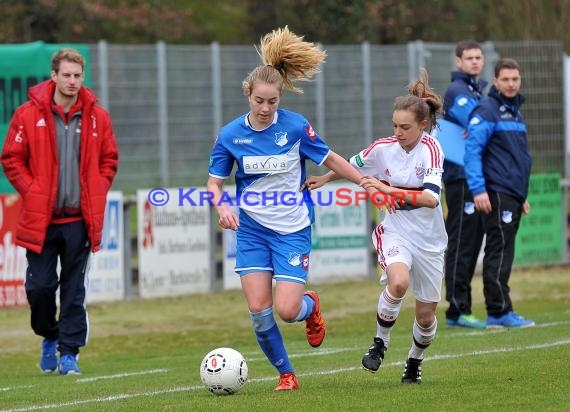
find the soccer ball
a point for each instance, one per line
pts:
(223, 371)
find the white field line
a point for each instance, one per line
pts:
(12, 388)
(121, 375)
(319, 352)
(264, 379)
(461, 332)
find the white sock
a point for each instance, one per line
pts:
(387, 313)
(422, 338)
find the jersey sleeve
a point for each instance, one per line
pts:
(367, 161)
(312, 145)
(433, 161)
(221, 160)
(462, 107)
(478, 135)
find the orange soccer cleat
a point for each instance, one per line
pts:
(315, 324)
(287, 382)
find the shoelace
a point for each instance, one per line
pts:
(315, 323)
(288, 380)
(374, 352)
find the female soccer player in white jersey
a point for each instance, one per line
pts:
(411, 240)
(270, 147)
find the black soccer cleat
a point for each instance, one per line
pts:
(372, 359)
(413, 371)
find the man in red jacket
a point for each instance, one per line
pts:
(61, 155)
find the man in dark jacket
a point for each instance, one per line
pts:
(61, 156)
(497, 165)
(463, 223)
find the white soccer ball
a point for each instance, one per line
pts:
(223, 371)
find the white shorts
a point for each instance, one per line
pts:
(426, 268)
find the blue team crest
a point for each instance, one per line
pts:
(281, 139)
(294, 259)
(507, 216)
(469, 208)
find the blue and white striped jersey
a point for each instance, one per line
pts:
(270, 168)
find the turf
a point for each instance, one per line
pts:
(145, 355)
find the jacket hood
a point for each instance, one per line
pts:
(42, 94)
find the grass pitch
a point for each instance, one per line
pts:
(145, 355)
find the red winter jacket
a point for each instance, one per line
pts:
(30, 162)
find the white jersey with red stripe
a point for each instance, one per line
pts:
(421, 169)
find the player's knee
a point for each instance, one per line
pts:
(398, 288)
(288, 314)
(425, 318)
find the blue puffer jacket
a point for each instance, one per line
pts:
(460, 99)
(496, 152)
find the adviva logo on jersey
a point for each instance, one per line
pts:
(265, 164)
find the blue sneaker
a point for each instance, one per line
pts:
(68, 365)
(465, 321)
(48, 361)
(509, 320)
(470, 321)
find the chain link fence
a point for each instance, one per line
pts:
(169, 101)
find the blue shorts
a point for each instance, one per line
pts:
(260, 249)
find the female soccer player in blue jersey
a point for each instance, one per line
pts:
(270, 145)
(412, 240)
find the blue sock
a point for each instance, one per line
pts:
(270, 340)
(306, 308)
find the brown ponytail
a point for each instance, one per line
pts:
(422, 100)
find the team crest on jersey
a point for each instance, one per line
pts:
(393, 251)
(469, 208)
(475, 121)
(281, 139)
(294, 259)
(311, 132)
(507, 216)
(420, 171)
(305, 262)
(462, 101)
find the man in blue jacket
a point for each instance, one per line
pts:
(497, 166)
(463, 223)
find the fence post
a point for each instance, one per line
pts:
(320, 97)
(566, 180)
(216, 87)
(103, 61)
(367, 93)
(128, 202)
(162, 101)
(491, 57)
